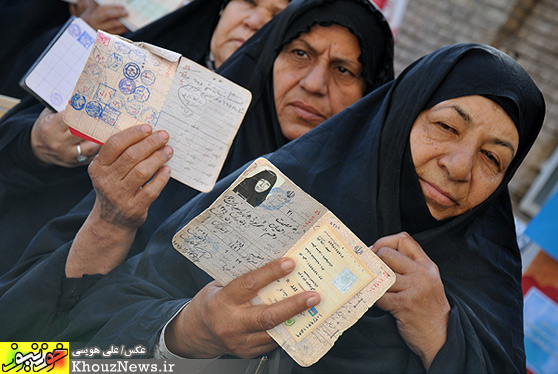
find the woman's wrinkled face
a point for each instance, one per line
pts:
(262, 185)
(239, 21)
(461, 150)
(316, 76)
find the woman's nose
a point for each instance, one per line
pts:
(257, 18)
(316, 78)
(458, 163)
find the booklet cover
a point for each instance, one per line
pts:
(53, 76)
(264, 216)
(125, 84)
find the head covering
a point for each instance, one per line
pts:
(27, 28)
(352, 164)
(247, 188)
(252, 65)
(31, 194)
(376, 57)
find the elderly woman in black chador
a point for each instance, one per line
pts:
(309, 63)
(419, 168)
(43, 173)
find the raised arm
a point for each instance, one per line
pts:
(128, 174)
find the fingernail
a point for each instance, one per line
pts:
(168, 150)
(163, 135)
(146, 128)
(312, 301)
(287, 264)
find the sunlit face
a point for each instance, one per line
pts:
(461, 150)
(239, 21)
(262, 185)
(315, 77)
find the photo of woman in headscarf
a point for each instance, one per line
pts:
(255, 189)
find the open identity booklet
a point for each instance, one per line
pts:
(125, 84)
(105, 83)
(263, 216)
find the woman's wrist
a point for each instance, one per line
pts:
(98, 247)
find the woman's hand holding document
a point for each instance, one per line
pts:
(235, 236)
(125, 84)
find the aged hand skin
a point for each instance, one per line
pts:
(417, 300)
(100, 17)
(53, 144)
(221, 320)
(128, 174)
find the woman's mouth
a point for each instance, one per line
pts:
(435, 193)
(307, 112)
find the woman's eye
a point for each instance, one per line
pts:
(250, 2)
(299, 52)
(492, 159)
(344, 70)
(447, 128)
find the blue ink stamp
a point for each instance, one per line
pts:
(104, 93)
(127, 86)
(313, 311)
(94, 109)
(78, 101)
(93, 70)
(85, 87)
(117, 102)
(137, 55)
(99, 55)
(344, 280)
(86, 40)
(131, 70)
(133, 107)
(141, 94)
(122, 47)
(115, 61)
(149, 115)
(56, 98)
(110, 115)
(74, 30)
(148, 77)
(277, 199)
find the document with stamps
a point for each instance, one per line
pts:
(264, 216)
(125, 84)
(53, 76)
(143, 12)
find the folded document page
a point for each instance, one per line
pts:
(264, 216)
(125, 84)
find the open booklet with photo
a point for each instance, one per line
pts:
(263, 216)
(125, 84)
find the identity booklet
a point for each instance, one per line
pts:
(125, 84)
(263, 216)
